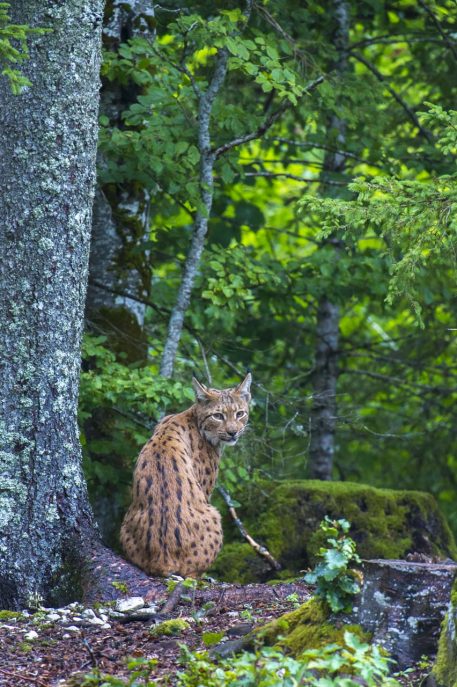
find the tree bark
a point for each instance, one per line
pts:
(120, 214)
(324, 406)
(207, 160)
(48, 139)
(403, 604)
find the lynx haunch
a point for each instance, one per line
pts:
(170, 526)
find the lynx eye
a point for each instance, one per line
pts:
(218, 416)
(240, 414)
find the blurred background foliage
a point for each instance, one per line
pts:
(347, 193)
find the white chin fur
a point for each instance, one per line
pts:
(216, 441)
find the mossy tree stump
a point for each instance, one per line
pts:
(444, 672)
(403, 604)
(285, 517)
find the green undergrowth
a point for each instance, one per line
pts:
(308, 627)
(349, 663)
(10, 615)
(284, 516)
(169, 628)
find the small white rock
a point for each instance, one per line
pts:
(88, 614)
(30, 636)
(52, 617)
(105, 626)
(96, 621)
(73, 628)
(133, 603)
(66, 636)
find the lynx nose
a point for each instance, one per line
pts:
(231, 433)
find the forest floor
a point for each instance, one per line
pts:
(54, 654)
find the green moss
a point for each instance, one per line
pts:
(238, 562)
(169, 628)
(445, 667)
(285, 517)
(308, 627)
(9, 615)
(25, 647)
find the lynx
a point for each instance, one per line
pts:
(170, 526)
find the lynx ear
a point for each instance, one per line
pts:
(201, 391)
(243, 388)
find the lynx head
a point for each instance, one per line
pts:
(222, 415)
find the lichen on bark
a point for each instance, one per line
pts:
(48, 138)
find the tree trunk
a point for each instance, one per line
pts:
(120, 216)
(207, 160)
(403, 604)
(324, 406)
(48, 139)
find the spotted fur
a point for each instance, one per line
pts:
(170, 526)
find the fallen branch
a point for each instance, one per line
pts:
(173, 600)
(258, 548)
(19, 676)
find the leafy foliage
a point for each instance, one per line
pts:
(13, 48)
(415, 219)
(377, 238)
(336, 582)
(330, 666)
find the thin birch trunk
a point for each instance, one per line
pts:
(324, 406)
(207, 160)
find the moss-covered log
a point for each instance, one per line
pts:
(285, 516)
(48, 138)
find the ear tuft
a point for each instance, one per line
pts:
(201, 391)
(243, 389)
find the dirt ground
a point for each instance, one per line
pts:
(54, 656)
(58, 656)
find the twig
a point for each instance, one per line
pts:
(90, 651)
(411, 114)
(18, 676)
(173, 600)
(444, 35)
(205, 362)
(258, 548)
(311, 144)
(295, 177)
(267, 124)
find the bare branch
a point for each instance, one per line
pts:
(329, 149)
(444, 35)
(411, 114)
(287, 175)
(267, 124)
(258, 548)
